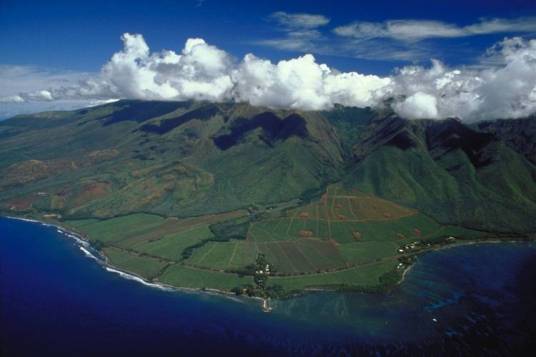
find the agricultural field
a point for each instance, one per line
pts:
(344, 239)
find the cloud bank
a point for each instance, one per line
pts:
(505, 87)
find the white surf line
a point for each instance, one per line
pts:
(138, 279)
(31, 220)
(74, 236)
(83, 244)
(85, 247)
(58, 228)
(23, 219)
(88, 253)
(79, 240)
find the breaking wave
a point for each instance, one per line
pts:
(88, 253)
(138, 279)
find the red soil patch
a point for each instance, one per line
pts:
(92, 191)
(305, 233)
(304, 215)
(21, 204)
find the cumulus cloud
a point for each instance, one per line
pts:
(415, 30)
(200, 71)
(506, 90)
(302, 83)
(203, 72)
(419, 106)
(504, 86)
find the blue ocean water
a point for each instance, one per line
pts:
(54, 300)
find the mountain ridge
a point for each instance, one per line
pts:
(445, 159)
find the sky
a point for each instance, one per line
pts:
(437, 59)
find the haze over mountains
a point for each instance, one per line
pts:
(193, 157)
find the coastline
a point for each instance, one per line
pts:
(85, 246)
(460, 244)
(102, 260)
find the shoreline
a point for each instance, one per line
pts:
(85, 246)
(103, 260)
(460, 244)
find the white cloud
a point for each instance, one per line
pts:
(28, 79)
(504, 86)
(415, 30)
(355, 89)
(399, 40)
(506, 90)
(200, 71)
(299, 40)
(203, 72)
(302, 83)
(12, 99)
(399, 29)
(300, 30)
(300, 20)
(419, 106)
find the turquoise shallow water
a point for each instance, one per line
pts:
(470, 300)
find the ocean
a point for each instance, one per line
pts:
(55, 299)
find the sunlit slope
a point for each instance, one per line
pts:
(166, 158)
(194, 158)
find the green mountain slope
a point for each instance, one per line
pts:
(198, 194)
(166, 158)
(191, 158)
(450, 171)
(519, 134)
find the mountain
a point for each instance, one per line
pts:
(453, 172)
(519, 134)
(195, 193)
(167, 158)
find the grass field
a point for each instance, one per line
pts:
(188, 277)
(135, 263)
(366, 276)
(345, 239)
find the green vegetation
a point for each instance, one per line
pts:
(368, 277)
(344, 240)
(144, 266)
(202, 195)
(188, 277)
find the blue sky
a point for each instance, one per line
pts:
(67, 54)
(81, 36)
